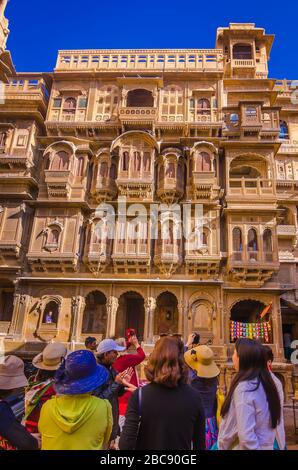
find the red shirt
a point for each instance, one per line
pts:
(122, 363)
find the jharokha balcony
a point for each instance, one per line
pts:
(252, 268)
(58, 183)
(251, 187)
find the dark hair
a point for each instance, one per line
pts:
(196, 338)
(43, 375)
(269, 353)
(89, 340)
(5, 393)
(166, 364)
(253, 366)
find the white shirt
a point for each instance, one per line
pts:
(247, 425)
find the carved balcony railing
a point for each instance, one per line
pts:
(251, 187)
(141, 59)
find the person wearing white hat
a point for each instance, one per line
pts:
(42, 387)
(13, 436)
(107, 353)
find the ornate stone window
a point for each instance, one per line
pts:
(107, 103)
(268, 245)
(51, 313)
(172, 104)
(237, 244)
(60, 161)
(140, 98)
(252, 244)
(52, 236)
(3, 139)
(242, 52)
(284, 131)
(199, 107)
(202, 162)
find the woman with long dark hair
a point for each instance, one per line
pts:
(252, 409)
(168, 413)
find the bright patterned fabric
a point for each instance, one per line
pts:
(211, 431)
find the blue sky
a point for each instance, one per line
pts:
(39, 29)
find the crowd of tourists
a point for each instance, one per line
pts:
(93, 398)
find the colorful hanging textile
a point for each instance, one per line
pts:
(260, 331)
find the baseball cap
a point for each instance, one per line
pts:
(107, 345)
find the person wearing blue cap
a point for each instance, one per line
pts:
(107, 353)
(74, 419)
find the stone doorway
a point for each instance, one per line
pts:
(130, 314)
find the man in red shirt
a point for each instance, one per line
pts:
(123, 362)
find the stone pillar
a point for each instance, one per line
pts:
(75, 306)
(112, 307)
(150, 306)
(80, 306)
(18, 316)
(184, 319)
(277, 332)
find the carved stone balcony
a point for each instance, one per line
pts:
(138, 115)
(203, 187)
(131, 257)
(10, 253)
(105, 189)
(135, 186)
(97, 262)
(55, 262)
(287, 189)
(252, 268)
(288, 232)
(167, 258)
(170, 190)
(243, 67)
(251, 187)
(58, 183)
(202, 265)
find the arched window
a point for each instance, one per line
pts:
(180, 174)
(147, 161)
(204, 238)
(51, 312)
(95, 314)
(60, 161)
(125, 161)
(161, 172)
(252, 240)
(103, 171)
(113, 171)
(137, 161)
(170, 172)
(267, 241)
(80, 166)
(203, 106)
(237, 240)
(234, 119)
(53, 237)
(284, 131)
(190, 167)
(242, 52)
(203, 162)
(70, 104)
(3, 137)
(169, 232)
(140, 98)
(172, 103)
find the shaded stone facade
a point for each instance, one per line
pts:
(155, 127)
